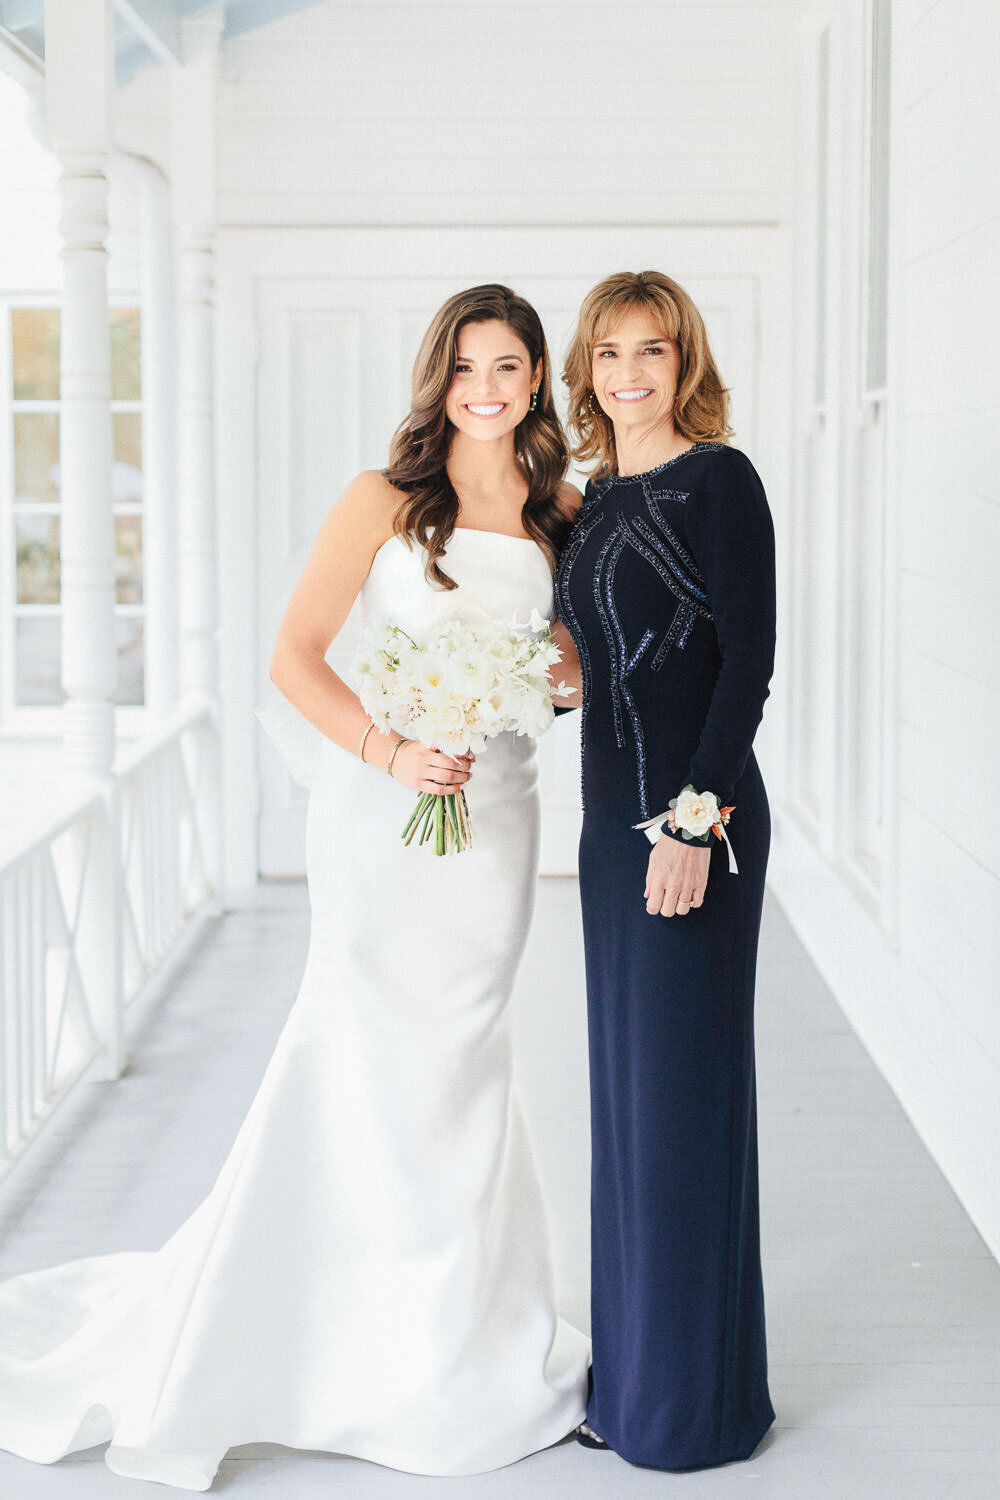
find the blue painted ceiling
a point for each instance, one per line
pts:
(24, 20)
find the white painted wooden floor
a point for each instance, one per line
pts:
(883, 1303)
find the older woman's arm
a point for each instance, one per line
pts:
(731, 534)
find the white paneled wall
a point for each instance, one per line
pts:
(476, 113)
(913, 955)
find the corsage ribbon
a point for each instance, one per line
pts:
(695, 815)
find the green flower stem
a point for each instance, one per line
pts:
(409, 830)
(453, 821)
(441, 819)
(428, 819)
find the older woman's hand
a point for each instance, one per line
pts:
(676, 876)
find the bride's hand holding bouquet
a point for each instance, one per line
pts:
(427, 769)
(470, 680)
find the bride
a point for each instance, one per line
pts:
(370, 1274)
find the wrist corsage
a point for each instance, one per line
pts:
(694, 815)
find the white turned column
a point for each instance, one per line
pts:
(79, 74)
(196, 444)
(159, 446)
(79, 78)
(193, 126)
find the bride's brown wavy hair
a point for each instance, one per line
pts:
(418, 455)
(701, 405)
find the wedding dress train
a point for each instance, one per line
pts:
(370, 1273)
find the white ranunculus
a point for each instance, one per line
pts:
(471, 671)
(499, 702)
(696, 811)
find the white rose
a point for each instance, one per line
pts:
(451, 724)
(696, 811)
(504, 648)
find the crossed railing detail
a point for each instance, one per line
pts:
(90, 910)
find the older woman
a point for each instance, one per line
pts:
(667, 588)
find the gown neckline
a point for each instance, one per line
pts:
(698, 447)
(471, 530)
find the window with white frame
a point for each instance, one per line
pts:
(867, 768)
(32, 514)
(816, 427)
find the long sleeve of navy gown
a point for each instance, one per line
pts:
(731, 536)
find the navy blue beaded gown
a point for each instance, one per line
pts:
(667, 587)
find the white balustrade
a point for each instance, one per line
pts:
(89, 911)
(169, 801)
(49, 1031)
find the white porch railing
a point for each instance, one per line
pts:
(48, 1012)
(169, 832)
(89, 910)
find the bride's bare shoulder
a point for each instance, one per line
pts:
(364, 512)
(370, 491)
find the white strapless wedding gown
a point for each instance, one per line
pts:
(370, 1274)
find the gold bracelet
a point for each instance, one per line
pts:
(395, 752)
(364, 737)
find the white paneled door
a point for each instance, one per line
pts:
(337, 319)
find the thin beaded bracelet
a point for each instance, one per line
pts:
(395, 752)
(364, 737)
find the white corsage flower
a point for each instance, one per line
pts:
(695, 812)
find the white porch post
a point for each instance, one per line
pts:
(159, 445)
(79, 78)
(193, 105)
(193, 177)
(79, 69)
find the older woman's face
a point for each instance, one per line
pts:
(634, 368)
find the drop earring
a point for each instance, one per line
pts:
(533, 404)
(590, 401)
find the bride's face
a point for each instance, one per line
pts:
(491, 388)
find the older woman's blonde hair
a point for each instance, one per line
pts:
(701, 407)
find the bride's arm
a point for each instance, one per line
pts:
(567, 670)
(330, 582)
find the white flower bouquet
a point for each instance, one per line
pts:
(468, 680)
